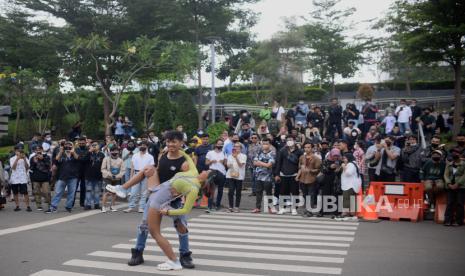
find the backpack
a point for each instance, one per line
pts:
(273, 126)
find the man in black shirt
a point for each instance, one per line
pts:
(169, 164)
(68, 173)
(287, 166)
(40, 177)
(82, 151)
(93, 175)
(335, 119)
(201, 153)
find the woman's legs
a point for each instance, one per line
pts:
(152, 181)
(154, 220)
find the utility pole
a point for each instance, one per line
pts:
(213, 92)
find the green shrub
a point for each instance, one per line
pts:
(253, 97)
(215, 130)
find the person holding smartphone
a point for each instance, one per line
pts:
(19, 178)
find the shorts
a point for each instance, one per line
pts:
(111, 182)
(161, 197)
(19, 189)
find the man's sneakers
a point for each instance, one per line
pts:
(17, 209)
(137, 257)
(294, 212)
(128, 210)
(39, 209)
(51, 210)
(186, 260)
(69, 209)
(29, 209)
(140, 210)
(170, 265)
(117, 189)
(104, 210)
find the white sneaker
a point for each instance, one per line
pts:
(118, 190)
(140, 210)
(104, 210)
(170, 265)
(282, 211)
(294, 212)
(113, 210)
(128, 210)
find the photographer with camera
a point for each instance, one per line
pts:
(19, 178)
(67, 161)
(351, 114)
(40, 177)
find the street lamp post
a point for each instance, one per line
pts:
(213, 92)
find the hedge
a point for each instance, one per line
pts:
(253, 97)
(416, 85)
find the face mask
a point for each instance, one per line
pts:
(413, 144)
(131, 148)
(301, 102)
(290, 143)
(143, 148)
(114, 154)
(434, 146)
(436, 159)
(48, 139)
(388, 144)
(219, 147)
(283, 137)
(82, 147)
(456, 156)
(461, 143)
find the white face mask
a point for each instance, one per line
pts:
(283, 137)
(290, 143)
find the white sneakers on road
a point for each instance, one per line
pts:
(117, 189)
(170, 265)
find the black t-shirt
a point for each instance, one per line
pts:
(93, 164)
(40, 170)
(167, 168)
(68, 167)
(335, 114)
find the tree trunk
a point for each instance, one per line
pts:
(200, 94)
(18, 115)
(407, 82)
(106, 111)
(458, 98)
(333, 86)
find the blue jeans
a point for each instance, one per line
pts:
(139, 193)
(127, 175)
(93, 190)
(219, 180)
(60, 189)
(142, 230)
(403, 127)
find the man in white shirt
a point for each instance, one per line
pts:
(139, 191)
(216, 160)
(19, 178)
(404, 116)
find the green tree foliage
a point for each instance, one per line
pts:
(433, 32)
(92, 125)
(57, 118)
(131, 109)
(332, 53)
(186, 113)
(163, 115)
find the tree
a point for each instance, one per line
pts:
(92, 125)
(56, 116)
(185, 113)
(163, 115)
(112, 47)
(330, 52)
(134, 114)
(434, 33)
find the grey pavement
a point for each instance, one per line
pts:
(91, 243)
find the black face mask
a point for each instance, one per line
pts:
(436, 159)
(434, 146)
(235, 141)
(388, 144)
(461, 143)
(131, 148)
(142, 148)
(114, 154)
(82, 147)
(456, 156)
(219, 147)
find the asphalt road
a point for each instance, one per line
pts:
(91, 243)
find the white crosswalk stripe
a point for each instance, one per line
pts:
(241, 244)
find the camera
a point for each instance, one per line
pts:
(68, 148)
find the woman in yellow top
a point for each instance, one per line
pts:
(185, 184)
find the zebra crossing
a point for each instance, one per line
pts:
(234, 244)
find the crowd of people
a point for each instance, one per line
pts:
(307, 150)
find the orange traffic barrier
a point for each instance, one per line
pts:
(204, 202)
(404, 199)
(359, 203)
(369, 213)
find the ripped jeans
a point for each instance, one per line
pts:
(143, 229)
